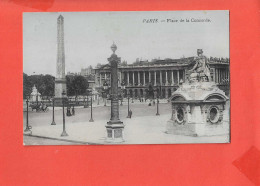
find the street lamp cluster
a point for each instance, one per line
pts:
(114, 126)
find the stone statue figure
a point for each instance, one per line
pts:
(200, 71)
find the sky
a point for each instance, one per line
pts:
(88, 37)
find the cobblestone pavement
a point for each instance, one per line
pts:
(143, 128)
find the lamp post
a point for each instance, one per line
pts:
(91, 118)
(64, 133)
(105, 85)
(128, 113)
(87, 97)
(122, 92)
(28, 128)
(157, 114)
(114, 126)
(53, 102)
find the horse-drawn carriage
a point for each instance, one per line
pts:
(39, 107)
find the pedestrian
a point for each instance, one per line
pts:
(130, 113)
(68, 111)
(73, 111)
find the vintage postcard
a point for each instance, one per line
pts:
(157, 77)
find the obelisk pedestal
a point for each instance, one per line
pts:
(60, 79)
(114, 126)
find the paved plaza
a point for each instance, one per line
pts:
(143, 128)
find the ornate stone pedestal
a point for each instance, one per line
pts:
(115, 132)
(197, 110)
(27, 131)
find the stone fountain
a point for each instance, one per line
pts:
(199, 106)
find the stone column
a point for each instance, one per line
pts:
(100, 79)
(172, 78)
(127, 78)
(144, 77)
(114, 127)
(105, 76)
(216, 74)
(150, 76)
(120, 78)
(178, 77)
(221, 75)
(133, 78)
(138, 78)
(161, 81)
(154, 78)
(166, 77)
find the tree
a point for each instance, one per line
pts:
(76, 85)
(44, 84)
(80, 84)
(27, 85)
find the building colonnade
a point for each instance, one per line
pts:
(163, 81)
(144, 78)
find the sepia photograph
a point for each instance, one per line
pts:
(137, 77)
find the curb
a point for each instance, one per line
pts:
(58, 139)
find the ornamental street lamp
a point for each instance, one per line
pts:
(105, 85)
(157, 114)
(53, 102)
(122, 92)
(114, 126)
(128, 113)
(87, 97)
(91, 118)
(28, 128)
(64, 133)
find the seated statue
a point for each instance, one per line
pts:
(200, 71)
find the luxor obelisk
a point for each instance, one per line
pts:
(60, 79)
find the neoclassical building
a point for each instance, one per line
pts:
(161, 76)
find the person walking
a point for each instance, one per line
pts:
(130, 113)
(73, 111)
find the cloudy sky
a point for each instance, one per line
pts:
(89, 35)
